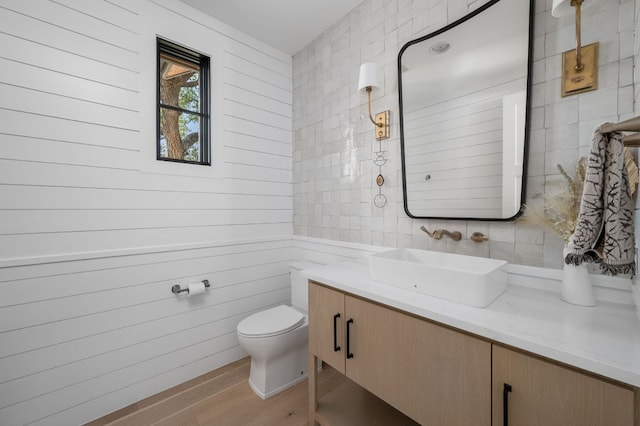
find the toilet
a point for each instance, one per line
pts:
(276, 339)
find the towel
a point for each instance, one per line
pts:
(604, 233)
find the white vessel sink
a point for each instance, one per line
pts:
(470, 280)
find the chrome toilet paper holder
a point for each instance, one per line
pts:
(176, 289)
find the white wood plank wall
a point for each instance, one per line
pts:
(458, 143)
(91, 241)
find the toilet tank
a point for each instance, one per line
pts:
(299, 287)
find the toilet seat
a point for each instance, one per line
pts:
(271, 322)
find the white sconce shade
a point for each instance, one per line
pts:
(366, 83)
(561, 8)
(368, 76)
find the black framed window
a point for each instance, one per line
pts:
(183, 105)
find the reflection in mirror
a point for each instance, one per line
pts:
(463, 115)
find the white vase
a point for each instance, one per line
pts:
(576, 283)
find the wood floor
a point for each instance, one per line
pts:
(222, 397)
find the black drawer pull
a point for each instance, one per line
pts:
(505, 404)
(336, 348)
(349, 354)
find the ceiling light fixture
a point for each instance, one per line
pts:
(440, 47)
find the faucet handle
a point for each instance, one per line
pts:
(478, 237)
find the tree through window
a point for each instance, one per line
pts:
(183, 105)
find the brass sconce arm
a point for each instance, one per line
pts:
(369, 89)
(367, 81)
(381, 120)
(579, 65)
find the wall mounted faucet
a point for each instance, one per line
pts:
(438, 233)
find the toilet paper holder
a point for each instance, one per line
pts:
(176, 289)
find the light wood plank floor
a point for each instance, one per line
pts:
(222, 397)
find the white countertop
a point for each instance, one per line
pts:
(604, 339)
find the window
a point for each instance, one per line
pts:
(183, 105)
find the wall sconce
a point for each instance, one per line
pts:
(579, 66)
(368, 81)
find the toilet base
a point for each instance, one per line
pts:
(277, 390)
(269, 378)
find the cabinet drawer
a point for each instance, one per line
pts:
(326, 325)
(544, 393)
(433, 374)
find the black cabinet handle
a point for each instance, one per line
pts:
(349, 354)
(505, 404)
(336, 348)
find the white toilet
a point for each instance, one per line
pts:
(276, 339)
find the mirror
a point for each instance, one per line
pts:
(463, 115)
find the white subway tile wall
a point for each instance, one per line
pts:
(333, 177)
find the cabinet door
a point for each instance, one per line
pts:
(433, 374)
(543, 393)
(326, 325)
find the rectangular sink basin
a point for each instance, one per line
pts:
(474, 281)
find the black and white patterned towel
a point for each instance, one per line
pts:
(604, 232)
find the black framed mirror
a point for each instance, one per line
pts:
(464, 108)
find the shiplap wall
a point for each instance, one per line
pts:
(94, 232)
(461, 164)
(458, 143)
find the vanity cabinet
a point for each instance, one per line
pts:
(433, 374)
(327, 326)
(531, 391)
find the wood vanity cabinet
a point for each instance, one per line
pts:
(433, 374)
(538, 392)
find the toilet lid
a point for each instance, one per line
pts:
(271, 322)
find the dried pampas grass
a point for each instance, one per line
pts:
(559, 211)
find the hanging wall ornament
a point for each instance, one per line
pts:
(380, 200)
